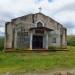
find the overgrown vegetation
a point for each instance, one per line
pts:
(71, 40)
(1, 43)
(37, 62)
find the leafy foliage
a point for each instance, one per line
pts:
(71, 40)
(1, 43)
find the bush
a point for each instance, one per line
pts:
(71, 41)
(1, 43)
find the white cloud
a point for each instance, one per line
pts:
(2, 29)
(60, 10)
(16, 6)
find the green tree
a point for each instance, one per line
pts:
(1, 43)
(71, 40)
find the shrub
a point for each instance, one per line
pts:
(71, 41)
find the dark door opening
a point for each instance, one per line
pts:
(37, 42)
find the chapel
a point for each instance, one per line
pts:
(34, 31)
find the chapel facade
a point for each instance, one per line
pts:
(34, 31)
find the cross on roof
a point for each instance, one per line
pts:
(40, 9)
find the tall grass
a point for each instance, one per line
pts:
(37, 62)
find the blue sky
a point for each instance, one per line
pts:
(62, 11)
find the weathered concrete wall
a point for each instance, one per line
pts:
(28, 21)
(54, 35)
(50, 23)
(8, 36)
(22, 40)
(64, 38)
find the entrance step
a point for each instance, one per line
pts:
(40, 50)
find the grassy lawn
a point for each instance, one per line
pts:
(37, 62)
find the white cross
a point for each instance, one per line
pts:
(40, 9)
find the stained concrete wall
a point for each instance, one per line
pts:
(8, 36)
(31, 20)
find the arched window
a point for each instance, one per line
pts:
(39, 24)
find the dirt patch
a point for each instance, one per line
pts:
(60, 72)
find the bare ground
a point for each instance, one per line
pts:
(57, 72)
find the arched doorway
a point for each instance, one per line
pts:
(39, 24)
(38, 37)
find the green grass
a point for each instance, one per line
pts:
(37, 62)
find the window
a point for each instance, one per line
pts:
(57, 26)
(39, 24)
(22, 39)
(22, 34)
(25, 33)
(54, 40)
(33, 18)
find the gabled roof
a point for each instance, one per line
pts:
(36, 14)
(50, 18)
